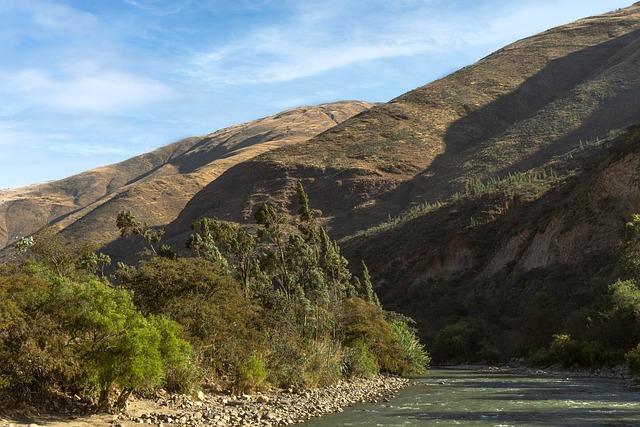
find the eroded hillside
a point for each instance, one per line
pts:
(524, 259)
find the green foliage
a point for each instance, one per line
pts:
(322, 363)
(359, 362)
(570, 353)
(411, 357)
(364, 288)
(629, 252)
(81, 334)
(275, 307)
(206, 300)
(633, 360)
(128, 225)
(251, 374)
(460, 341)
(625, 297)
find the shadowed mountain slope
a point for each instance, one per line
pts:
(513, 110)
(524, 259)
(158, 184)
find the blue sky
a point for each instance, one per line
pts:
(85, 83)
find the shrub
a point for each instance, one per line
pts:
(408, 355)
(322, 363)
(251, 374)
(82, 336)
(633, 360)
(359, 362)
(284, 363)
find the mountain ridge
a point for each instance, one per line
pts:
(192, 162)
(526, 99)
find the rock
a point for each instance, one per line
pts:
(262, 399)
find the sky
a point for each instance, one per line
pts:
(86, 83)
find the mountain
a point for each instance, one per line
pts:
(490, 201)
(518, 260)
(513, 110)
(158, 184)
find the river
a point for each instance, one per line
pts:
(451, 397)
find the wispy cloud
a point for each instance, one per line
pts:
(92, 80)
(42, 19)
(90, 149)
(160, 7)
(310, 41)
(95, 91)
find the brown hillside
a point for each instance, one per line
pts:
(156, 185)
(533, 245)
(513, 110)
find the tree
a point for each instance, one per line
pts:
(307, 223)
(203, 242)
(272, 230)
(129, 226)
(365, 290)
(629, 252)
(85, 335)
(238, 245)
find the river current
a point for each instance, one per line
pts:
(452, 397)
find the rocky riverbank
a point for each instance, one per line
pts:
(619, 372)
(204, 410)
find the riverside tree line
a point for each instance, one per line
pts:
(270, 306)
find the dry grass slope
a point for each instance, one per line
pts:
(158, 184)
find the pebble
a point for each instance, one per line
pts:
(272, 409)
(286, 408)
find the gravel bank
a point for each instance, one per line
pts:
(261, 409)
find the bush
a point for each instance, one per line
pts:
(359, 362)
(633, 360)
(206, 301)
(81, 336)
(251, 374)
(409, 357)
(284, 363)
(322, 363)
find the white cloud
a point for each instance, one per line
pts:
(93, 91)
(161, 7)
(312, 43)
(87, 149)
(309, 40)
(42, 19)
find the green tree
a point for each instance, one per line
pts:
(272, 229)
(629, 252)
(205, 300)
(128, 225)
(365, 288)
(83, 335)
(63, 256)
(215, 238)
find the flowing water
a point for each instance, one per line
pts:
(452, 397)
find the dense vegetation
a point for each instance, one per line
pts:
(272, 306)
(590, 322)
